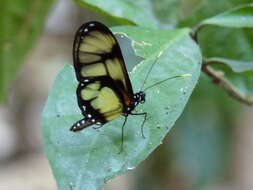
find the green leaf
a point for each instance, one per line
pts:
(144, 13)
(234, 43)
(88, 159)
(197, 140)
(237, 18)
(21, 23)
(236, 65)
(242, 81)
(237, 42)
(226, 42)
(192, 12)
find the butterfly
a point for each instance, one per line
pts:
(104, 92)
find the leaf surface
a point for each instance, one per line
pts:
(86, 160)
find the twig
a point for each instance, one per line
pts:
(222, 82)
(194, 32)
(218, 76)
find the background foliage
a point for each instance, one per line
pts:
(148, 16)
(199, 137)
(21, 23)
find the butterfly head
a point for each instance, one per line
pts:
(139, 97)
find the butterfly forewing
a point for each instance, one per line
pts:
(97, 53)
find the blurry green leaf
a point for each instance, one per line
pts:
(192, 12)
(133, 11)
(21, 22)
(87, 159)
(232, 43)
(207, 138)
(229, 43)
(160, 13)
(244, 82)
(166, 12)
(238, 18)
(235, 65)
(198, 138)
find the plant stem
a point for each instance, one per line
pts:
(219, 79)
(195, 31)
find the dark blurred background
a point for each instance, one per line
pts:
(209, 148)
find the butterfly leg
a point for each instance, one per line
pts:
(122, 135)
(142, 125)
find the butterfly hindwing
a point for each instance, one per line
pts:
(99, 103)
(100, 100)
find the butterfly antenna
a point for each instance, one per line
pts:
(177, 76)
(150, 69)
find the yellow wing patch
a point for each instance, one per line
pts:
(96, 69)
(88, 58)
(97, 42)
(104, 38)
(90, 91)
(105, 101)
(115, 70)
(108, 104)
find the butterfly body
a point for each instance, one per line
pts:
(104, 92)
